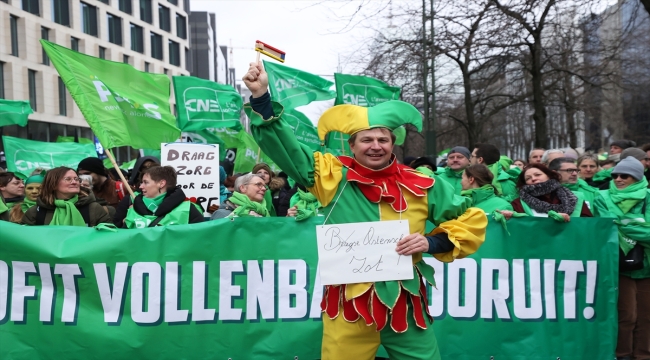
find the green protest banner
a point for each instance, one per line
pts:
(303, 128)
(14, 112)
(202, 104)
(205, 136)
(292, 87)
(123, 106)
(82, 140)
(24, 156)
(546, 291)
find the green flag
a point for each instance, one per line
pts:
(23, 156)
(249, 154)
(123, 106)
(60, 139)
(292, 87)
(202, 104)
(14, 112)
(206, 136)
(127, 165)
(305, 131)
(363, 90)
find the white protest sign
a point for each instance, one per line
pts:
(197, 168)
(362, 252)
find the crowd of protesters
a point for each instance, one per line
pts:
(554, 183)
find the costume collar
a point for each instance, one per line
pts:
(386, 184)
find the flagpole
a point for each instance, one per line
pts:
(259, 150)
(119, 173)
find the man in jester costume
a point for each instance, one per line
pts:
(371, 186)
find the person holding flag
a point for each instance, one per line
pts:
(371, 186)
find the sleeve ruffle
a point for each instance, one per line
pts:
(467, 233)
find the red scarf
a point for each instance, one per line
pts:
(384, 184)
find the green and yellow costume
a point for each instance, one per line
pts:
(358, 317)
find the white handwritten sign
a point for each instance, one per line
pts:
(362, 252)
(197, 170)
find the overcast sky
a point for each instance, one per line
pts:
(305, 30)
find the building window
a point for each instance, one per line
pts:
(45, 34)
(114, 29)
(126, 6)
(163, 18)
(125, 59)
(146, 12)
(165, 71)
(2, 80)
(63, 110)
(89, 19)
(31, 6)
(181, 26)
(13, 25)
(174, 53)
(104, 1)
(188, 62)
(102, 52)
(156, 46)
(31, 79)
(175, 2)
(137, 38)
(146, 66)
(74, 43)
(61, 12)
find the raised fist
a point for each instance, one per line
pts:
(256, 79)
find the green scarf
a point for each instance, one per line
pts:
(246, 205)
(479, 194)
(153, 204)
(26, 204)
(630, 196)
(3, 207)
(602, 175)
(66, 213)
(306, 203)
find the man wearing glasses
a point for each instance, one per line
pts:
(568, 171)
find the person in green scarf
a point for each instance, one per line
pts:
(32, 190)
(457, 161)
(477, 185)
(490, 156)
(264, 171)
(628, 200)
(62, 203)
(12, 189)
(247, 200)
(160, 202)
(568, 172)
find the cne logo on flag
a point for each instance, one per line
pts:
(203, 104)
(126, 106)
(366, 95)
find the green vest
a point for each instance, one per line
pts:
(179, 216)
(576, 211)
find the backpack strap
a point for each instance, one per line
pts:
(156, 221)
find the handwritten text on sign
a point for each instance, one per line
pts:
(197, 168)
(362, 252)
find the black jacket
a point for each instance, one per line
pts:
(172, 200)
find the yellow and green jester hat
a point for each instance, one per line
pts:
(350, 119)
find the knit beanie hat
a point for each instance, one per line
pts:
(460, 150)
(94, 165)
(623, 144)
(629, 166)
(35, 179)
(635, 153)
(264, 166)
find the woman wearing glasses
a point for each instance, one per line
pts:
(61, 202)
(628, 200)
(542, 195)
(247, 200)
(160, 202)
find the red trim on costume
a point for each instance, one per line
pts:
(398, 321)
(362, 306)
(333, 301)
(379, 312)
(385, 184)
(417, 309)
(349, 312)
